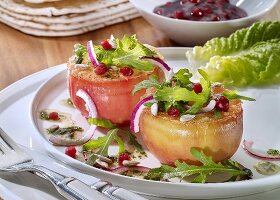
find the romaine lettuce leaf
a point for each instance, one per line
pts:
(250, 56)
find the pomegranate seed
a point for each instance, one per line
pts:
(71, 151)
(222, 103)
(179, 14)
(126, 71)
(123, 157)
(197, 12)
(100, 69)
(172, 111)
(197, 88)
(194, 1)
(106, 45)
(207, 10)
(211, 1)
(54, 116)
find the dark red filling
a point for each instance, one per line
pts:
(201, 10)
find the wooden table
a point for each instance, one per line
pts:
(22, 55)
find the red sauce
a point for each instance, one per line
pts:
(201, 10)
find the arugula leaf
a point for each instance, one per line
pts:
(79, 50)
(127, 53)
(103, 146)
(120, 143)
(152, 82)
(135, 143)
(209, 167)
(101, 122)
(183, 77)
(231, 95)
(94, 144)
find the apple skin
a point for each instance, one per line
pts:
(112, 96)
(170, 140)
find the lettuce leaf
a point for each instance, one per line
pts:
(250, 56)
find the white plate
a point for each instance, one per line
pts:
(16, 119)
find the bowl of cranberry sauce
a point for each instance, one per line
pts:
(193, 22)
(201, 10)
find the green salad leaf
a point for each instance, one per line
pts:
(182, 170)
(250, 56)
(231, 95)
(127, 53)
(80, 51)
(101, 122)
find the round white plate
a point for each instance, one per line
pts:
(15, 102)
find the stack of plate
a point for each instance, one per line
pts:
(64, 17)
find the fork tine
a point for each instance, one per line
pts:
(5, 146)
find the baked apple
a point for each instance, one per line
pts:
(182, 114)
(108, 73)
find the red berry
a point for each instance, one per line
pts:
(122, 157)
(216, 18)
(179, 14)
(197, 12)
(194, 1)
(106, 45)
(197, 88)
(207, 10)
(222, 103)
(172, 111)
(54, 116)
(100, 69)
(126, 71)
(71, 151)
(211, 1)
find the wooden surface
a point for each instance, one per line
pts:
(22, 55)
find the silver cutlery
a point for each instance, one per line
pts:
(16, 159)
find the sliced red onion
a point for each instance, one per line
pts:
(122, 169)
(134, 120)
(211, 105)
(247, 146)
(91, 53)
(168, 71)
(185, 118)
(90, 106)
(112, 42)
(154, 109)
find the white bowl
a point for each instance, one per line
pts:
(190, 33)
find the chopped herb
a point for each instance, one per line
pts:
(44, 115)
(149, 104)
(217, 114)
(63, 131)
(209, 167)
(273, 152)
(80, 51)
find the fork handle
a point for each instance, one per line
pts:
(69, 187)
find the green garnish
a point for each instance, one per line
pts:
(44, 115)
(63, 131)
(231, 95)
(99, 142)
(273, 152)
(209, 167)
(127, 53)
(80, 51)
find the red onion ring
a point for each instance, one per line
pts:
(247, 146)
(134, 120)
(168, 71)
(90, 106)
(91, 53)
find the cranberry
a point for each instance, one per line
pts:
(222, 103)
(197, 88)
(197, 12)
(100, 69)
(172, 111)
(54, 116)
(216, 18)
(179, 14)
(126, 71)
(207, 10)
(211, 1)
(71, 151)
(106, 45)
(194, 1)
(123, 157)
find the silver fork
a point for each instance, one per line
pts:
(14, 159)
